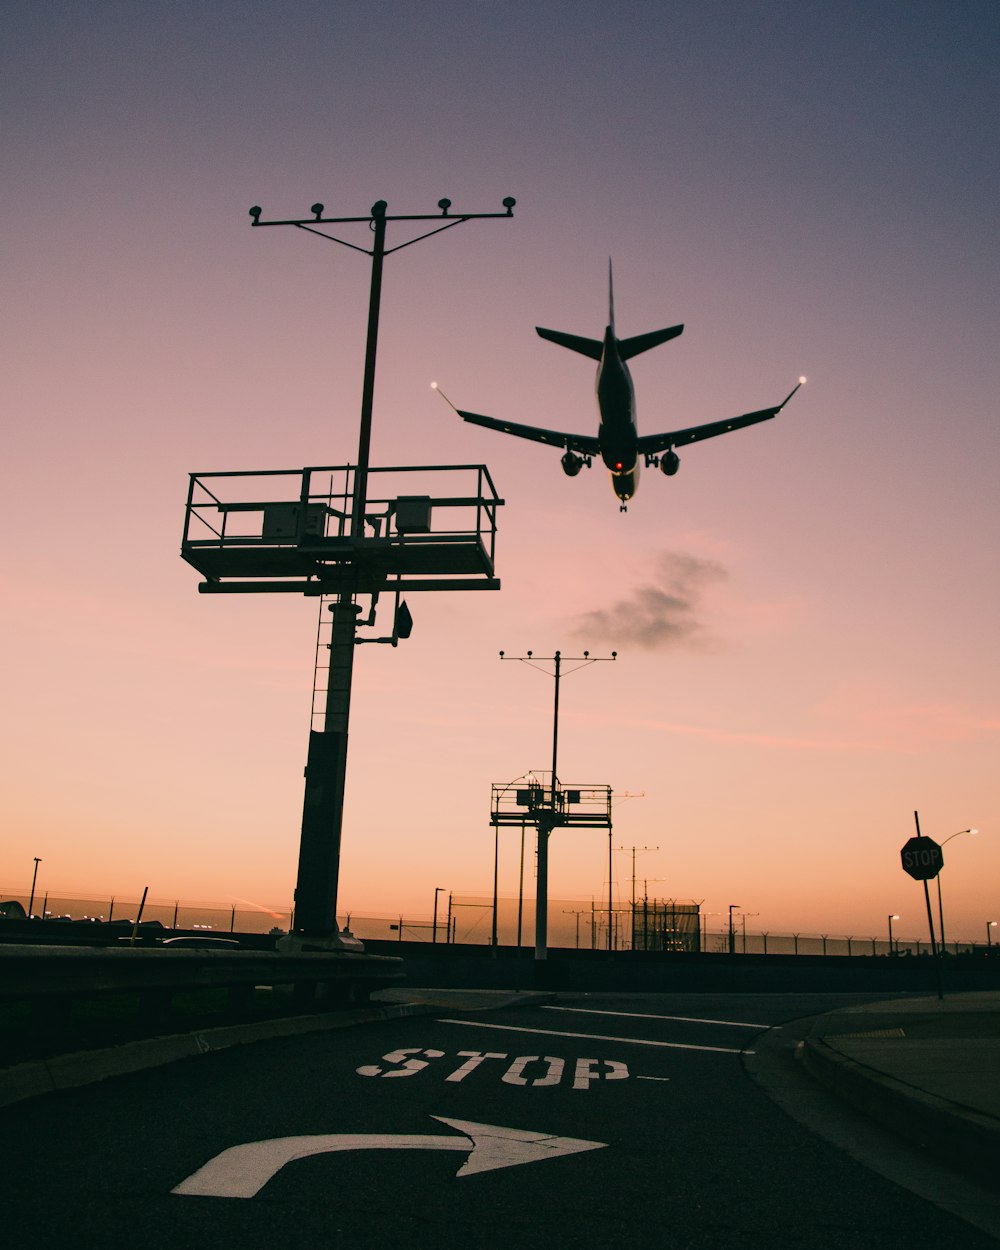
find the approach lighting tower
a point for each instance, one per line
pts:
(552, 806)
(322, 532)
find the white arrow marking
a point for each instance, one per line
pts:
(241, 1171)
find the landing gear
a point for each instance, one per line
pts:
(623, 507)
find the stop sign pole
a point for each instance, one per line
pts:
(923, 860)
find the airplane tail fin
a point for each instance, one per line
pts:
(594, 348)
(586, 347)
(628, 348)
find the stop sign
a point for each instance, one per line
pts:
(922, 858)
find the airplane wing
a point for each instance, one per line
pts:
(651, 444)
(583, 444)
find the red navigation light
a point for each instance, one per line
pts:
(618, 465)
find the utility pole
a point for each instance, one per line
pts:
(323, 806)
(547, 821)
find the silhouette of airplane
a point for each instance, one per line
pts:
(618, 442)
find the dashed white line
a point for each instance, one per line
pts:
(596, 1037)
(641, 1015)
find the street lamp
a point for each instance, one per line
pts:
(940, 908)
(990, 924)
(34, 878)
(891, 919)
(732, 933)
(438, 889)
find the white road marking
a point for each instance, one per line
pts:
(513, 1075)
(597, 1037)
(652, 1078)
(640, 1015)
(242, 1171)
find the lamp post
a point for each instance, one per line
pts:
(34, 878)
(732, 931)
(990, 924)
(438, 889)
(940, 907)
(891, 919)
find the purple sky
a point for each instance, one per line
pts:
(806, 616)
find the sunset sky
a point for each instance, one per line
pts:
(806, 616)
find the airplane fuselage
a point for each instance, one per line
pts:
(618, 435)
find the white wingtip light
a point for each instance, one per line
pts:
(435, 387)
(802, 381)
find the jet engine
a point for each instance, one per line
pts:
(571, 463)
(670, 462)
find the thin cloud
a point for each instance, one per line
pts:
(662, 614)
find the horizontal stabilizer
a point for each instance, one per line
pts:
(586, 347)
(627, 348)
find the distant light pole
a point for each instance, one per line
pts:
(636, 850)
(891, 919)
(743, 921)
(990, 924)
(34, 878)
(496, 862)
(732, 931)
(940, 908)
(438, 889)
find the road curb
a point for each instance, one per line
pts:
(957, 1135)
(85, 1067)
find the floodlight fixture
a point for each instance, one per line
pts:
(444, 205)
(378, 208)
(508, 203)
(255, 213)
(318, 209)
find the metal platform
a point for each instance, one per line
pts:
(427, 527)
(530, 802)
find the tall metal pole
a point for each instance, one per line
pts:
(944, 950)
(555, 729)
(548, 820)
(544, 830)
(935, 949)
(610, 887)
(315, 912)
(520, 891)
(438, 889)
(368, 386)
(34, 878)
(496, 857)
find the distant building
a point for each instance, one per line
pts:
(666, 925)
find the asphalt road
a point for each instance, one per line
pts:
(597, 1120)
